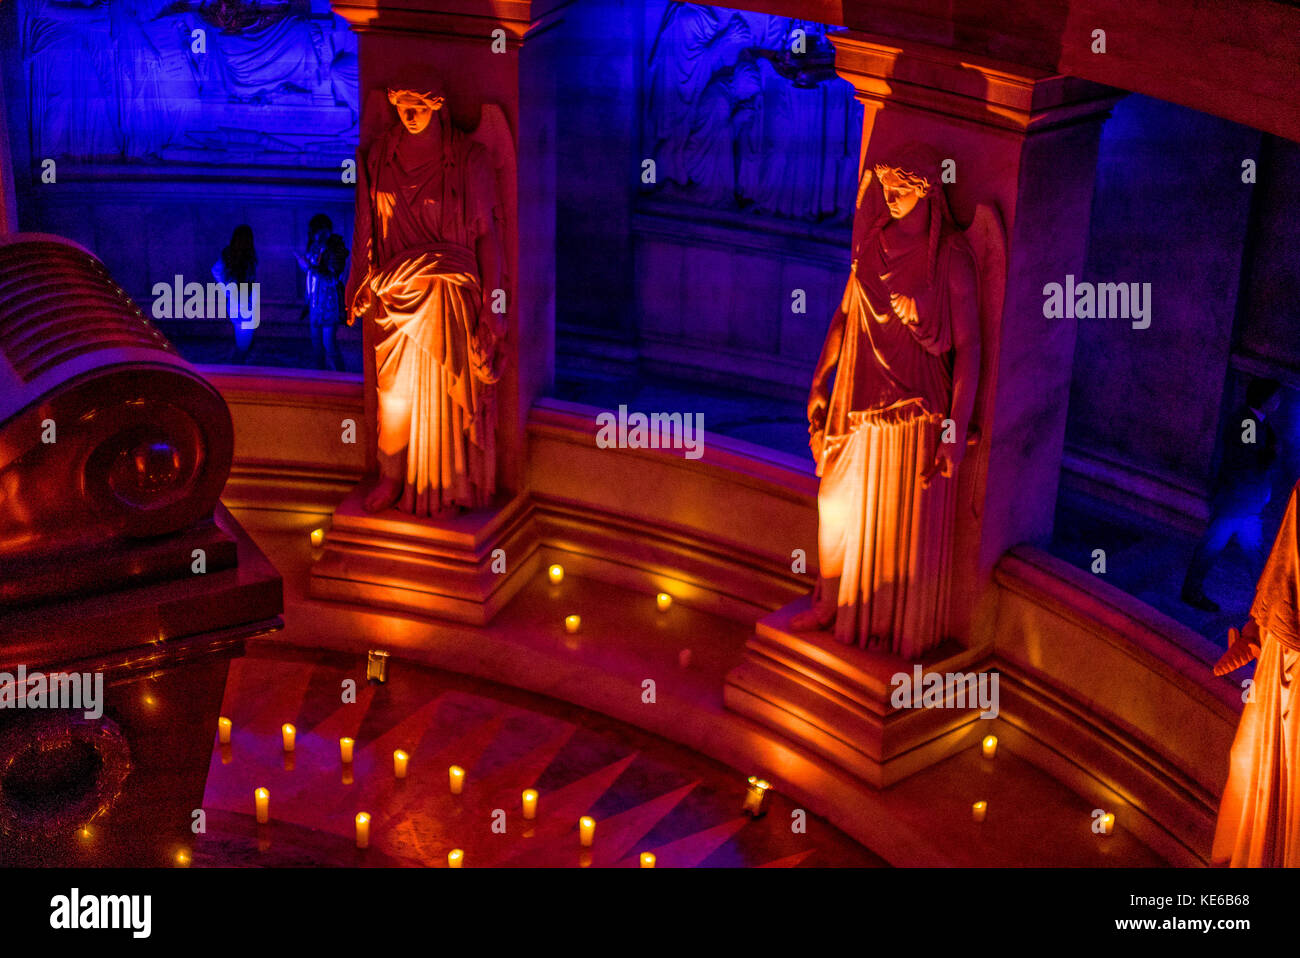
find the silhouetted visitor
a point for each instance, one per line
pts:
(1242, 489)
(238, 264)
(326, 265)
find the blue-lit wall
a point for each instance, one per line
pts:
(689, 270)
(147, 133)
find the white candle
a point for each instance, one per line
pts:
(663, 601)
(223, 730)
(586, 830)
(979, 810)
(755, 796)
(1107, 823)
(345, 749)
(289, 735)
(572, 623)
(556, 574)
(990, 746)
(455, 858)
(400, 760)
(530, 804)
(262, 799)
(457, 776)
(363, 830)
(647, 860)
(317, 537)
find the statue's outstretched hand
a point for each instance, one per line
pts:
(1243, 646)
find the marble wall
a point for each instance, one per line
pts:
(726, 267)
(1169, 209)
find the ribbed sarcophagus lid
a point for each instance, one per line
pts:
(106, 434)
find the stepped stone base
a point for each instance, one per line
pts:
(835, 700)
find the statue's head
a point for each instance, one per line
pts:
(415, 108)
(902, 190)
(907, 178)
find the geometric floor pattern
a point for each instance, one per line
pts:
(646, 794)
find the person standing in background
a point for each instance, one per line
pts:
(325, 265)
(238, 265)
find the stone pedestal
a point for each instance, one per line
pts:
(163, 645)
(835, 699)
(464, 569)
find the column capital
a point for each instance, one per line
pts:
(1010, 96)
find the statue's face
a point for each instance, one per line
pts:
(414, 112)
(900, 197)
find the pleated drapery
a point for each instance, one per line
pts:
(1259, 816)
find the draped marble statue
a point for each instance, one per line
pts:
(890, 435)
(428, 268)
(1259, 816)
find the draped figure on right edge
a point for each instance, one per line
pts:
(904, 346)
(1259, 816)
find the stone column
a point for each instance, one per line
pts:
(500, 55)
(1024, 142)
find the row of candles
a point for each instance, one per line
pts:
(401, 763)
(980, 810)
(572, 623)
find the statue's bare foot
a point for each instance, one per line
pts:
(810, 621)
(384, 495)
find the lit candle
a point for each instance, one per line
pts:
(586, 830)
(263, 799)
(571, 623)
(223, 730)
(979, 810)
(556, 574)
(1107, 823)
(400, 759)
(755, 797)
(317, 537)
(990, 746)
(289, 733)
(457, 776)
(455, 858)
(363, 830)
(647, 860)
(345, 749)
(530, 804)
(182, 859)
(663, 600)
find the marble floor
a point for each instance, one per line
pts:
(646, 794)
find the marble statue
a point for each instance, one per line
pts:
(1259, 816)
(890, 435)
(427, 268)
